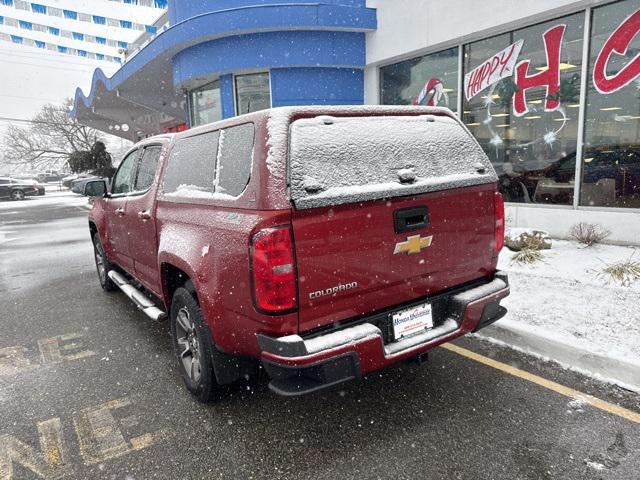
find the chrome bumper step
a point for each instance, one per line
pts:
(140, 299)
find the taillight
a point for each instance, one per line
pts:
(499, 217)
(274, 270)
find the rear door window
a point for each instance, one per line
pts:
(191, 167)
(235, 159)
(212, 165)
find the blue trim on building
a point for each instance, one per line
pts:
(317, 86)
(227, 98)
(315, 50)
(269, 50)
(37, 8)
(180, 10)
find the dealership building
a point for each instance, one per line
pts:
(550, 89)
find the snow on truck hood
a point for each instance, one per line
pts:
(338, 160)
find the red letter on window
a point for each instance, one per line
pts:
(618, 42)
(549, 78)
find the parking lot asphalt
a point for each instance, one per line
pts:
(89, 389)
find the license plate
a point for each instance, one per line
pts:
(412, 320)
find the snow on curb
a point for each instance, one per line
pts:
(606, 368)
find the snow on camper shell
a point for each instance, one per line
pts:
(338, 160)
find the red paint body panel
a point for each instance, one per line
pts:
(345, 244)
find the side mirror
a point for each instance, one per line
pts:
(95, 188)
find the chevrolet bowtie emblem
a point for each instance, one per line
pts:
(413, 244)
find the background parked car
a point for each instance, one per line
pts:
(29, 179)
(17, 189)
(77, 185)
(49, 176)
(70, 179)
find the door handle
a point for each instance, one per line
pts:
(407, 219)
(144, 215)
(120, 212)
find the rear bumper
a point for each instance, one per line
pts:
(298, 366)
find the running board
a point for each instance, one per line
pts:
(139, 298)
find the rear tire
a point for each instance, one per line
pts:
(102, 265)
(193, 345)
(17, 195)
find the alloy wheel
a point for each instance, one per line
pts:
(100, 262)
(17, 195)
(187, 338)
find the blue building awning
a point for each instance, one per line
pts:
(147, 93)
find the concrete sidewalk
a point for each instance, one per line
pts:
(606, 368)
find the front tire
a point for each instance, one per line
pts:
(192, 345)
(17, 195)
(102, 265)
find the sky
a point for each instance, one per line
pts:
(31, 77)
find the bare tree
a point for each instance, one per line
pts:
(51, 137)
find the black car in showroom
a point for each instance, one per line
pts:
(15, 189)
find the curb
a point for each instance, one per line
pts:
(608, 369)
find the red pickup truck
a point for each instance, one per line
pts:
(323, 242)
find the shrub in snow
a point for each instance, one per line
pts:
(624, 272)
(589, 233)
(527, 255)
(518, 239)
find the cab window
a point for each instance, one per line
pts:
(122, 181)
(147, 168)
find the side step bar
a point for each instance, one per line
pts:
(139, 298)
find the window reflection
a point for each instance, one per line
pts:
(527, 121)
(253, 92)
(427, 80)
(205, 104)
(611, 160)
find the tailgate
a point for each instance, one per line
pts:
(351, 261)
(387, 209)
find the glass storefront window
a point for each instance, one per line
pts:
(611, 158)
(521, 101)
(253, 92)
(205, 104)
(427, 80)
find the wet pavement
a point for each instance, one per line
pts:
(89, 389)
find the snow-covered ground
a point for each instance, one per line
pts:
(562, 298)
(53, 196)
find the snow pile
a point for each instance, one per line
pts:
(366, 158)
(563, 298)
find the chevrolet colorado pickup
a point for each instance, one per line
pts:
(323, 242)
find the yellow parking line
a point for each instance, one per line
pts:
(548, 384)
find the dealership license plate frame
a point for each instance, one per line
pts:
(403, 325)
